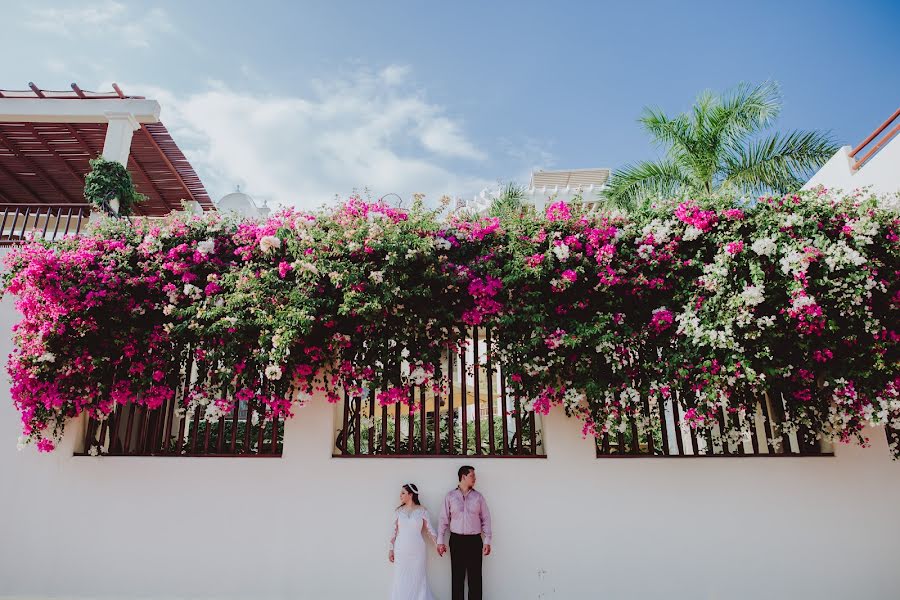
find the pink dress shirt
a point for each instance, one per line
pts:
(464, 515)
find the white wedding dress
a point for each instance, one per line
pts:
(410, 581)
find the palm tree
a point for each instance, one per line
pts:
(510, 203)
(719, 146)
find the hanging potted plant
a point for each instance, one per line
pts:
(109, 188)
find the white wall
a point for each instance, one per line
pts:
(568, 527)
(881, 172)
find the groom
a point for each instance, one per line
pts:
(465, 513)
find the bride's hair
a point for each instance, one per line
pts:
(412, 489)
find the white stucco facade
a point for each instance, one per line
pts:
(309, 526)
(880, 174)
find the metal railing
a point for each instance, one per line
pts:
(175, 430)
(476, 416)
(879, 144)
(22, 222)
(658, 430)
(135, 430)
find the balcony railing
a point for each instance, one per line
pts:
(881, 143)
(134, 430)
(170, 430)
(22, 222)
(658, 430)
(477, 416)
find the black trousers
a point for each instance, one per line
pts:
(465, 560)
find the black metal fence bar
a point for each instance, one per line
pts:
(463, 402)
(384, 428)
(21, 221)
(476, 381)
(504, 412)
(450, 411)
(490, 391)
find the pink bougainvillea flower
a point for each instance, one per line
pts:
(661, 320)
(558, 211)
(734, 247)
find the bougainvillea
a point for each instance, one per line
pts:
(713, 302)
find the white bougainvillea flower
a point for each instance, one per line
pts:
(764, 246)
(752, 295)
(305, 266)
(267, 243)
(441, 244)
(273, 372)
(418, 375)
(561, 251)
(206, 246)
(692, 233)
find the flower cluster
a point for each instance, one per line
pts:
(705, 300)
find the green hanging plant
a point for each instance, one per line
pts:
(110, 182)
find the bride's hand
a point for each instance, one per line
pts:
(391, 556)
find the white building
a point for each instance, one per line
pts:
(243, 204)
(873, 164)
(584, 185)
(310, 520)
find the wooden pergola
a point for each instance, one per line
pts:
(47, 138)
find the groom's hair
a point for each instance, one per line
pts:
(464, 470)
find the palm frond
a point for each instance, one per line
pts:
(676, 133)
(634, 185)
(746, 109)
(510, 202)
(778, 163)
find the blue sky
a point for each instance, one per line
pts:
(299, 101)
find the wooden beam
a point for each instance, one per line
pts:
(140, 169)
(78, 177)
(22, 184)
(874, 134)
(37, 91)
(37, 169)
(74, 133)
(168, 163)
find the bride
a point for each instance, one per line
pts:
(408, 550)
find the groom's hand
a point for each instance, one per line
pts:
(441, 548)
(486, 550)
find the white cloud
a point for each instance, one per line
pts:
(66, 21)
(109, 20)
(54, 65)
(361, 130)
(395, 74)
(443, 136)
(528, 151)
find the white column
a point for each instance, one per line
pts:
(117, 144)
